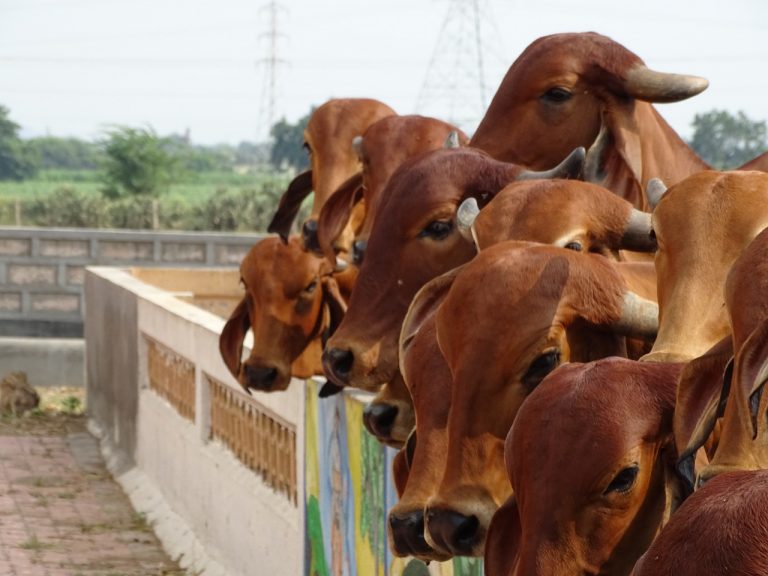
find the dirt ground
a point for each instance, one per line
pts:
(61, 514)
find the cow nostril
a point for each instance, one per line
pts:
(309, 235)
(379, 418)
(261, 377)
(453, 531)
(407, 532)
(337, 363)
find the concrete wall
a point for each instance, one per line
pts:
(47, 361)
(42, 270)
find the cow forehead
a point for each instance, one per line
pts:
(271, 265)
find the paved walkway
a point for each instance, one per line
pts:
(61, 514)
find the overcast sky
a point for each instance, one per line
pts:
(75, 67)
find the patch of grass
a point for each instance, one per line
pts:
(139, 522)
(34, 544)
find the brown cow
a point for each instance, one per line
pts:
(563, 89)
(592, 460)
(383, 147)
(539, 306)
(291, 298)
(757, 163)
(722, 529)
(328, 139)
(414, 239)
(743, 440)
(701, 225)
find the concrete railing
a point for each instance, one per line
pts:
(280, 484)
(42, 269)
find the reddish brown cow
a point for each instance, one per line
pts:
(743, 440)
(758, 163)
(539, 306)
(709, 218)
(722, 529)
(290, 299)
(414, 239)
(383, 147)
(328, 138)
(563, 89)
(592, 460)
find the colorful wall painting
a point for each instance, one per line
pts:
(348, 491)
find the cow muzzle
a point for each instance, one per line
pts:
(337, 364)
(263, 378)
(454, 532)
(406, 531)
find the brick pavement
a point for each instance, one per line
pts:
(61, 514)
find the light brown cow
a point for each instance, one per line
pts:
(722, 529)
(383, 147)
(328, 139)
(743, 439)
(291, 298)
(414, 239)
(592, 460)
(701, 226)
(539, 306)
(563, 89)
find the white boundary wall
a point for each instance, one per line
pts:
(206, 506)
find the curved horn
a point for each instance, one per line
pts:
(452, 140)
(639, 317)
(654, 192)
(593, 171)
(637, 234)
(465, 218)
(572, 167)
(357, 146)
(651, 86)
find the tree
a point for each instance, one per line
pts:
(287, 149)
(16, 161)
(136, 162)
(64, 153)
(728, 141)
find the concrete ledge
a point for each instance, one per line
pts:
(47, 361)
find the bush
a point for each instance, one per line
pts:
(65, 207)
(133, 213)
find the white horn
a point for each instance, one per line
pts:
(357, 146)
(465, 219)
(654, 192)
(452, 141)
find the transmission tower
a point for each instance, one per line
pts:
(271, 63)
(454, 87)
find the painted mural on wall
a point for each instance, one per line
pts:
(348, 490)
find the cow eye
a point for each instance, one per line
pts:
(623, 481)
(306, 147)
(437, 229)
(310, 287)
(556, 95)
(574, 245)
(540, 367)
(410, 448)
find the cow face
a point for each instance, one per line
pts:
(566, 89)
(538, 308)
(285, 289)
(328, 140)
(592, 503)
(709, 217)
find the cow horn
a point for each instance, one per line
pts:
(593, 171)
(637, 235)
(357, 146)
(465, 218)
(572, 167)
(651, 86)
(341, 265)
(639, 317)
(452, 140)
(654, 191)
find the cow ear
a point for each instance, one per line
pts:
(752, 371)
(423, 305)
(335, 305)
(336, 212)
(233, 336)
(290, 202)
(701, 394)
(503, 540)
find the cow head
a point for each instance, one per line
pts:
(290, 299)
(710, 218)
(514, 314)
(414, 239)
(384, 146)
(328, 139)
(591, 458)
(564, 88)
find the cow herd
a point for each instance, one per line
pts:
(564, 319)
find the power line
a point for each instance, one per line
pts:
(271, 63)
